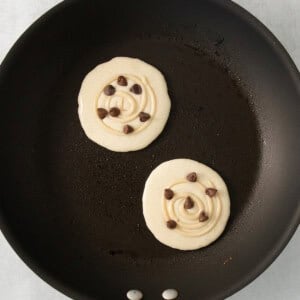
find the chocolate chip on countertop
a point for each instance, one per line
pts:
(136, 89)
(127, 129)
(188, 203)
(169, 194)
(192, 177)
(102, 113)
(109, 90)
(211, 192)
(203, 217)
(114, 111)
(171, 224)
(122, 80)
(144, 116)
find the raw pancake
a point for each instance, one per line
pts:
(190, 233)
(150, 97)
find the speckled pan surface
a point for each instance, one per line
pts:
(73, 210)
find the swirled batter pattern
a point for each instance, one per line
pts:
(186, 204)
(123, 104)
(130, 104)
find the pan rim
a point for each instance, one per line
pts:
(294, 74)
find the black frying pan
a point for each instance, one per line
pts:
(72, 210)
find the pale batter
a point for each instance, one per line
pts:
(186, 204)
(124, 104)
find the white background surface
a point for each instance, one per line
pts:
(281, 281)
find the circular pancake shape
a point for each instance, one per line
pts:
(186, 204)
(124, 104)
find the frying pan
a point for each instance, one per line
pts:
(72, 209)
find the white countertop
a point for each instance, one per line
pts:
(280, 281)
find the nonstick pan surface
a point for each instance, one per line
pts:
(72, 209)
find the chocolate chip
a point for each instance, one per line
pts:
(136, 89)
(169, 194)
(144, 116)
(109, 90)
(102, 113)
(211, 192)
(127, 129)
(192, 177)
(203, 217)
(114, 111)
(122, 81)
(171, 224)
(188, 203)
